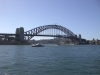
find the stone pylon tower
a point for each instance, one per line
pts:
(19, 34)
(80, 39)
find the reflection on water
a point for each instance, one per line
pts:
(50, 60)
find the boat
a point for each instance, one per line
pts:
(70, 44)
(37, 45)
(58, 43)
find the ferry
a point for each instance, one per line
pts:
(58, 43)
(37, 45)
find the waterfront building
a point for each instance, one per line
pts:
(97, 41)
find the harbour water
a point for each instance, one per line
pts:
(50, 60)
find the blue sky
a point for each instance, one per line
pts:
(79, 16)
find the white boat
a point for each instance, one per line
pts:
(37, 45)
(58, 43)
(70, 44)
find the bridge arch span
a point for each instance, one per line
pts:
(35, 31)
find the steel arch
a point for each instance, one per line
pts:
(37, 30)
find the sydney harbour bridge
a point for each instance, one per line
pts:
(46, 30)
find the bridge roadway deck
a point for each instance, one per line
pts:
(64, 36)
(6, 34)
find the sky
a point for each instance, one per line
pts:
(79, 16)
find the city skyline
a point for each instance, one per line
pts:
(79, 16)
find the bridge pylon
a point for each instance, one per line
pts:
(80, 39)
(19, 34)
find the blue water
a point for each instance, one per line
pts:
(50, 60)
